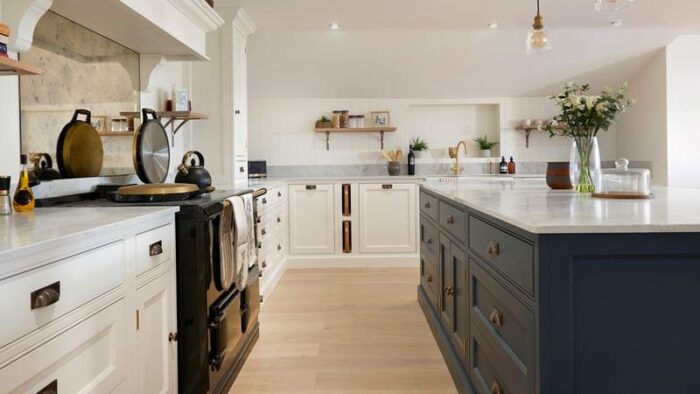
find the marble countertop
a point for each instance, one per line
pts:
(531, 206)
(21, 231)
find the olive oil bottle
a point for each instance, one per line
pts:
(23, 200)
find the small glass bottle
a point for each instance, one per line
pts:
(503, 166)
(23, 200)
(511, 166)
(5, 204)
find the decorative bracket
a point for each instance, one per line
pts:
(148, 65)
(22, 16)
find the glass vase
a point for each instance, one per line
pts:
(584, 161)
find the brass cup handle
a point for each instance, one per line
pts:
(494, 249)
(449, 291)
(155, 249)
(46, 296)
(496, 387)
(172, 337)
(429, 241)
(429, 278)
(496, 318)
(450, 219)
(426, 205)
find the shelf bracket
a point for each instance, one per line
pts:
(174, 127)
(328, 140)
(527, 138)
(381, 136)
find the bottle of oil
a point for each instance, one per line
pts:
(23, 200)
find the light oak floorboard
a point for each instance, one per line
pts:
(334, 331)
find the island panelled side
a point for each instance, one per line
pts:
(515, 312)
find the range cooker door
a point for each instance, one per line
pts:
(250, 301)
(225, 334)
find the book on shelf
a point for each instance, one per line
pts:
(4, 29)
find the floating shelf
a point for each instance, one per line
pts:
(10, 66)
(173, 117)
(380, 130)
(529, 129)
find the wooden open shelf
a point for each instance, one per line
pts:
(14, 67)
(173, 116)
(529, 129)
(380, 130)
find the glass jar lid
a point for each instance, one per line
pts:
(623, 180)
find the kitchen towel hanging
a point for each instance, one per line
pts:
(245, 253)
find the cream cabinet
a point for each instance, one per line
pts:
(156, 335)
(387, 218)
(312, 219)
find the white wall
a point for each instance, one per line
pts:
(683, 72)
(281, 130)
(642, 131)
(9, 124)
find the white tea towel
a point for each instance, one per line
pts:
(244, 237)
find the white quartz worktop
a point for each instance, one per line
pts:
(20, 232)
(531, 206)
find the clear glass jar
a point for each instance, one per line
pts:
(344, 119)
(622, 180)
(360, 121)
(335, 121)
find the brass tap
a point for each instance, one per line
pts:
(456, 169)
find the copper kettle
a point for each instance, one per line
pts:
(192, 171)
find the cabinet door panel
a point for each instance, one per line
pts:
(157, 354)
(460, 320)
(388, 218)
(446, 284)
(312, 223)
(240, 96)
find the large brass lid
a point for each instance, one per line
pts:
(157, 189)
(82, 151)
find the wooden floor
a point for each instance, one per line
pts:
(345, 331)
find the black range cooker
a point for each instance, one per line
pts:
(217, 327)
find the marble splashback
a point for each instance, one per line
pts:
(81, 70)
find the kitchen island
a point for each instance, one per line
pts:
(529, 290)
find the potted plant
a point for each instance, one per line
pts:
(418, 146)
(485, 145)
(323, 123)
(581, 117)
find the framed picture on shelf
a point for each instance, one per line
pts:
(380, 119)
(99, 123)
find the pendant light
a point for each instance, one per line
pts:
(537, 40)
(612, 5)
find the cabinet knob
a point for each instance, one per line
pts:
(449, 291)
(429, 278)
(263, 232)
(264, 200)
(238, 112)
(279, 247)
(279, 194)
(279, 220)
(429, 241)
(45, 296)
(496, 318)
(494, 248)
(172, 337)
(450, 219)
(155, 249)
(264, 264)
(496, 387)
(427, 205)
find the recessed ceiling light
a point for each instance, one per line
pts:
(493, 25)
(335, 26)
(616, 23)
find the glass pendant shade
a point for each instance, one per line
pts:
(538, 41)
(612, 5)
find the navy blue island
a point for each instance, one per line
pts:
(529, 290)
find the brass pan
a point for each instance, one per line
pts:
(79, 151)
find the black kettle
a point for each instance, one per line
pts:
(191, 172)
(43, 168)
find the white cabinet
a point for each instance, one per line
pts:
(220, 89)
(387, 218)
(156, 335)
(312, 219)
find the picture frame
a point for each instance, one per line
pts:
(380, 118)
(99, 122)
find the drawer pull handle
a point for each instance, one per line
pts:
(496, 318)
(494, 248)
(310, 187)
(46, 296)
(429, 241)
(172, 337)
(496, 387)
(387, 187)
(427, 205)
(279, 220)
(429, 278)
(155, 249)
(449, 291)
(51, 388)
(279, 247)
(450, 219)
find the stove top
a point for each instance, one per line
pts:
(96, 200)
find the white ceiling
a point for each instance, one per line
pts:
(443, 48)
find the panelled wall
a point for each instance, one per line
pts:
(281, 130)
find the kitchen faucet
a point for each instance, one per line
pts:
(456, 170)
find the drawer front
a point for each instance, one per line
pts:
(429, 279)
(508, 254)
(61, 287)
(454, 220)
(492, 370)
(87, 358)
(429, 237)
(154, 247)
(429, 205)
(501, 316)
